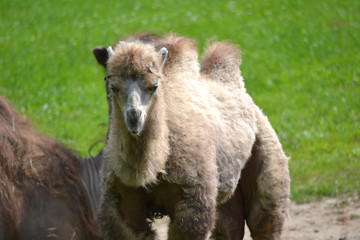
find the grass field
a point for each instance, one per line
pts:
(301, 64)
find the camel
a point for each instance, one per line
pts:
(187, 141)
(46, 192)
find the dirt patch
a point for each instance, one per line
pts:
(333, 219)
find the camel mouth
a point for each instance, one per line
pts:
(134, 122)
(135, 132)
(134, 126)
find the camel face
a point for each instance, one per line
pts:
(133, 75)
(133, 97)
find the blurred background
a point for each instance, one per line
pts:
(301, 65)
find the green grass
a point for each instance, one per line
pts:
(301, 64)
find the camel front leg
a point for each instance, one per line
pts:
(194, 215)
(117, 220)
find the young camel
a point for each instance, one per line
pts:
(178, 142)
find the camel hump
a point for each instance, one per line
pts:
(182, 53)
(221, 62)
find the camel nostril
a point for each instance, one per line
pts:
(133, 114)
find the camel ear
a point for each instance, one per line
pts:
(101, 55)
(110, 51)
(163, 54)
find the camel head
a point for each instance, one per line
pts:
(133, 76)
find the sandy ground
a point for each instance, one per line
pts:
(333, 219)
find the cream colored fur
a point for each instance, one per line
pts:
(200, 132)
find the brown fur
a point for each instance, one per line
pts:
(201, 133)
(231, 218)
(40, 190)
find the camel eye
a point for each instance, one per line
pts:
(113, 88)
(153, 88)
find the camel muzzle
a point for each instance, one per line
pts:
(134, 120)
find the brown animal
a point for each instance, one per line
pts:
(180, 139)
(44, 188)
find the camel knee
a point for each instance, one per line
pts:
(192, 221)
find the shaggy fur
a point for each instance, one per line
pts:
(220, 62)
(203, 140)
(262, 194)
(41, 194)
(101, 53)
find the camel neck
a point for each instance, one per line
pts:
(137, 160)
